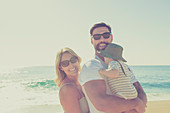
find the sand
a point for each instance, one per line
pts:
(158, 106)
(37, 109)
(152, 107)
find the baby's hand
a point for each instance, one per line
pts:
(101, 72)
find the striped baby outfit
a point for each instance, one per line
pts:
(120, 86)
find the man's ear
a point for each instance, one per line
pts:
(92, 41)
(111, 37)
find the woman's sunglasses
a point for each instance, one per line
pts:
(65, 63)
(105, 35)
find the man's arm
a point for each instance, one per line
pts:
(96, 91)
(141, 93)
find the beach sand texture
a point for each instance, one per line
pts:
(37, 109)
(153, 107)
(158, 106)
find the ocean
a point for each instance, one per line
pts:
(35, 85)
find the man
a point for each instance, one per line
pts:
(94, 85)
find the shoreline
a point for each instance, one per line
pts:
(159, 106)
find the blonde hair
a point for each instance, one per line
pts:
(60, 75)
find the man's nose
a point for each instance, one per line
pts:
(102, 38)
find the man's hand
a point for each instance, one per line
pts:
(140, 108)
(141, 93)
(131, 111)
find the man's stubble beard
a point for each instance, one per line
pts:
(97, 46)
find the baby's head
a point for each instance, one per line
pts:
(112, 52)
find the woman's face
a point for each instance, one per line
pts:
(70, 65)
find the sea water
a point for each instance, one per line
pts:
(36, 86)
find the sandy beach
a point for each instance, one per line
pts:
(153, 107)
(158, 106)
(37, 109)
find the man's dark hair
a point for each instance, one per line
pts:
(99, 25)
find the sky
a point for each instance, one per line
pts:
(33, 31)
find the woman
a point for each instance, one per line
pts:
(71, 96)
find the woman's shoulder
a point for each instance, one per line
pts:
(68, 94)
(68, 89)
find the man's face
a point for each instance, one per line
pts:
(102, 43)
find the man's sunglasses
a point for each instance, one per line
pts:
(105, 35)
(65, 63)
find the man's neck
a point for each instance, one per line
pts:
(101, 57)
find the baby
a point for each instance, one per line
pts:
(117, 76)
